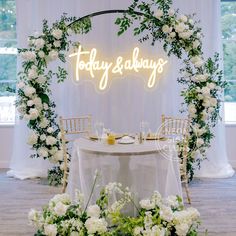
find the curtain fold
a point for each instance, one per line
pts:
(126, 103)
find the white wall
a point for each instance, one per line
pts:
(6, 145)
(7, 132)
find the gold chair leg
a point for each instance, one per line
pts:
(187, 192)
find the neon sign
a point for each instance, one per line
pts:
(119, 66)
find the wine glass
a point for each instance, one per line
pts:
(144, 129)
(99, 127)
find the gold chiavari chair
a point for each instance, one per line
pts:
(179, 127)
(70, 127)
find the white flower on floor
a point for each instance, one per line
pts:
(33, 138)
(60, 209)
(147, 204)
(95, 225)
(50, 140)
(57, 33)
(93, 211)
(50, 230)
(53, 55)
(29, 91)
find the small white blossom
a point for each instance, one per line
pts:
(95, 225)
(39, 43)
(60, 209)
(147, 204)
(57, 33)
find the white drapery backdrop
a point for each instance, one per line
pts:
(126, 103)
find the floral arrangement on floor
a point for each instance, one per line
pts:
(156, 216)
(155, 20)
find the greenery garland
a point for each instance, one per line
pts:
(202, 79)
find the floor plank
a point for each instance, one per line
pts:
(214, 198)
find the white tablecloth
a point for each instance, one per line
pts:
(141, 167)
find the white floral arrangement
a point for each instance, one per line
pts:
(156, 216)
(155, 21)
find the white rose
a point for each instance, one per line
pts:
(42, 137)
(43, 123)
(183, 18)
(38, 102)
(30, 103)
(172, 201)
(33, 113)
(199, 142)
(57, 33)
(192, 110)
(45, 106)
(196, 43)
(33, 138)
(43, 152)
(166, 29)
(41, 79)
(201, 78)
(41, 54)
(213, 102)
(197, 61)
(50, 140)
(206, 103)
(147, 204)
(182, 229)
(172, 34)
(50, 230)
(39, 43)
(94, 225)
(53, 55)
(58, 155)
(74, 233)
(94, 211)
(204, 115)
(180, 27)
(32, 74)
(20, 85)
(50, 130)
(28, 56)
(211, 86)
(57, 44)
(185, 35)
(29, 91)
(171, 12)
(60, 209)
(159, 14)
(205, 91)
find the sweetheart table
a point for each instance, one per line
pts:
(141, 167)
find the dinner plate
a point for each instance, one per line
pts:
(95, 137)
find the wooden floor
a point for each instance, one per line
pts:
(214, 198)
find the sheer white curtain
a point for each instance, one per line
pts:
(126, 103)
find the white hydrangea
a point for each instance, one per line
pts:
(33, 113)
(57, 33)
(53, 55)
(95, 225)
(33, 138)
(166, 213)
(50, 140)
(60, 209)
(94, 211)
(147, 204)
(50, 230)
(63, 198)
(182, 229)
(172, 201)
(29, 91)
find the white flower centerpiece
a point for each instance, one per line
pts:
(157, 216)
(155, 20)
